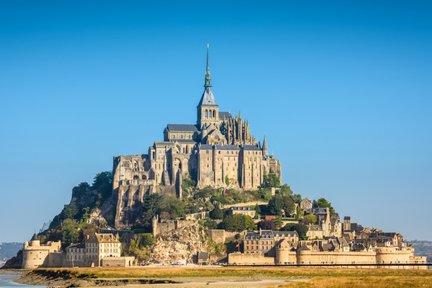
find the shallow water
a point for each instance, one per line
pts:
(6, 280)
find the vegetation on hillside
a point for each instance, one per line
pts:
(73, 223)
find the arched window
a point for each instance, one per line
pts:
(206, 113)
(214, 113)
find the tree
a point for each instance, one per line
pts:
(323, 203)
(281, 204)
(102, 183)
(238, 222)
(300, 228)
(310, 219)
(187, 184)
(150, 208)
(210, 224)
(86, 231)
(171, 208)
(227, 180)
(285, 189)
(80, 191)
(139, 245)
(70, 211)
(267, 225)
(217, 213)
(257, 209)
(270, 180)
(70, 232)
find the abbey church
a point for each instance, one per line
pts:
(217, 151)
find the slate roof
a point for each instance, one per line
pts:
(285, 233)
(182, 127)
(183, 141)
(314, 228)
(269, 234)
(205, 147)
(252, 235)
(241, 208)
(227, 147)
(207, 98)
(164, 143)
(319, 210)
(76, 245)
(224, 115)
(251, 147)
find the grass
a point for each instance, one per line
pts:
(314, 277)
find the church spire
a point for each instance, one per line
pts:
(207, 82)
(207, 97)
(264, 146)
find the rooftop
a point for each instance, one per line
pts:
(181, 128)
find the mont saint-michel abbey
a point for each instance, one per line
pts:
(218, 151)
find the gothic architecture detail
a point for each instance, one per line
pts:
(218, 151)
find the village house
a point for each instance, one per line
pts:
(241, 210)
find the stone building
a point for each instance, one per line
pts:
(389, 250)
(263, 242)
(96, 249)
(242, 210)
(37, 255)
(306, 206)
(218, 150)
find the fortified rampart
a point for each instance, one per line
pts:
(36, 255)
(165, 226)
(333, 257)
(380, 255)
(238, 258)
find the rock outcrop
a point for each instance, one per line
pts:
(180, 244)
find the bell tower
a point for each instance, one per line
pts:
(208, 110)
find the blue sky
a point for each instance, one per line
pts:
(342, 91)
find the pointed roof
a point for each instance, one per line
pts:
(207, 98)
(264, 147)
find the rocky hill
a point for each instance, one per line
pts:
(180, 244)
(9, 249)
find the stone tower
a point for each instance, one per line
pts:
(264, 147)
(282, 252)
(208, 110)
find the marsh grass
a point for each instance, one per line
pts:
(313, 276)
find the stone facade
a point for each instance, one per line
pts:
(37, 255)
(242, 210)
(93, 251)
(118, 262)
(266, 249)
(264, 242)
(218, 151)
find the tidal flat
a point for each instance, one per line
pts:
(304, 277)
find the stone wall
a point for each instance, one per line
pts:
(244, 259)
(393, 255)
(333, 257)
(216, 235)
(118, 261)
(36, 254)
(166, 226)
